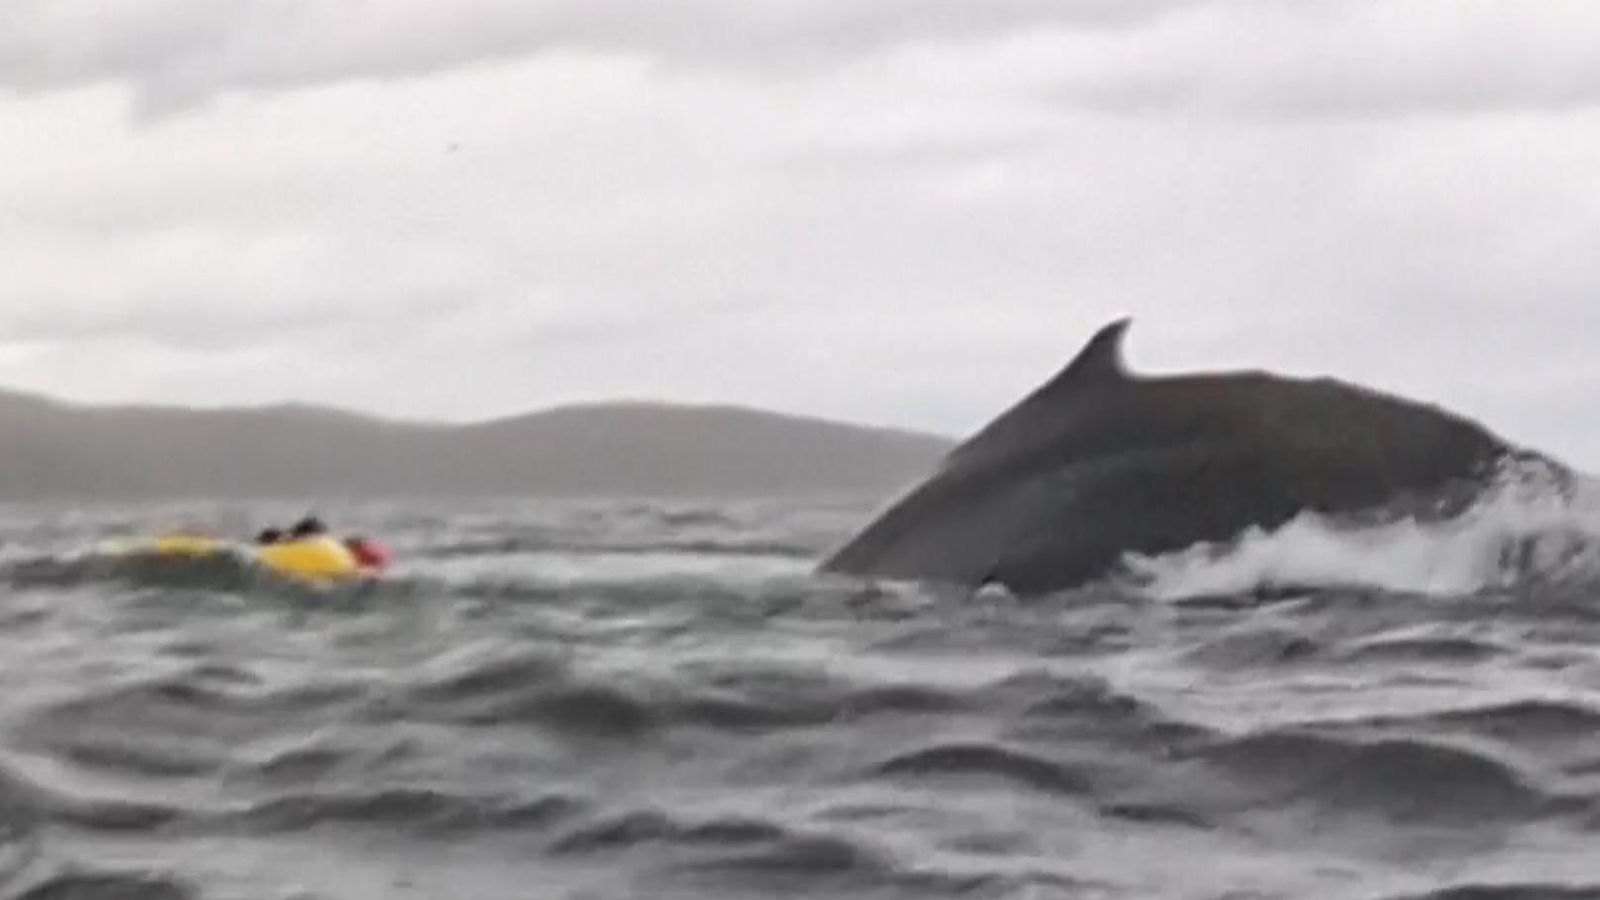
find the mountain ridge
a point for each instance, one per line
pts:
(53, 448)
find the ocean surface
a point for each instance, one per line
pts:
(647, 699)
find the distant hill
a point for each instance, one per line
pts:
(50, 449)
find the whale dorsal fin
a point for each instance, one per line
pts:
(1100, 360)
(1097, 365)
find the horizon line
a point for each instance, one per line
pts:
(621, 401)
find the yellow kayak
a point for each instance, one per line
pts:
(187, 545)
(167, 545)
(319, 558)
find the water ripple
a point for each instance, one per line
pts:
(642, 699)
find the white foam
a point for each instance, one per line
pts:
(1525, 529)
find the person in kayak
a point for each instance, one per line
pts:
(310, 526)
(369, 553)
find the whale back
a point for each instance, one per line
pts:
(1098, 461)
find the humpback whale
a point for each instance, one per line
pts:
(1099, 462)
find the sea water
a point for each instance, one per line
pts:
(615, 699)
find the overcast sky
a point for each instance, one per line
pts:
(878, 210)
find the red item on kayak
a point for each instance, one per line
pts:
(368, 552)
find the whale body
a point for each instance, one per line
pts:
(1099, 462)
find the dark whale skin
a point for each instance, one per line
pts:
(1099, 462)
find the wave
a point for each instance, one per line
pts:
(763, 855)
(1528, 528)
(107, 885)
(1558, 732)
(623, 830)
(112, 816)
(220, 573)
(986, 760)
(1400, 779)
(420, 811)
(494, 568)
(1085, 708)
(1512, 720)
(565, 544)
(546, 691)
(1423, 648)
(1509, 891)
(180, 725)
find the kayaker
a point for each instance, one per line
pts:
(269, 535)
(310, 526)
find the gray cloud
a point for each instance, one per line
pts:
(1114, 56)
(923, 217)
(177, 51)
(1313, 60)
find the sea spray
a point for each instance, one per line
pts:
(1532, 524)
